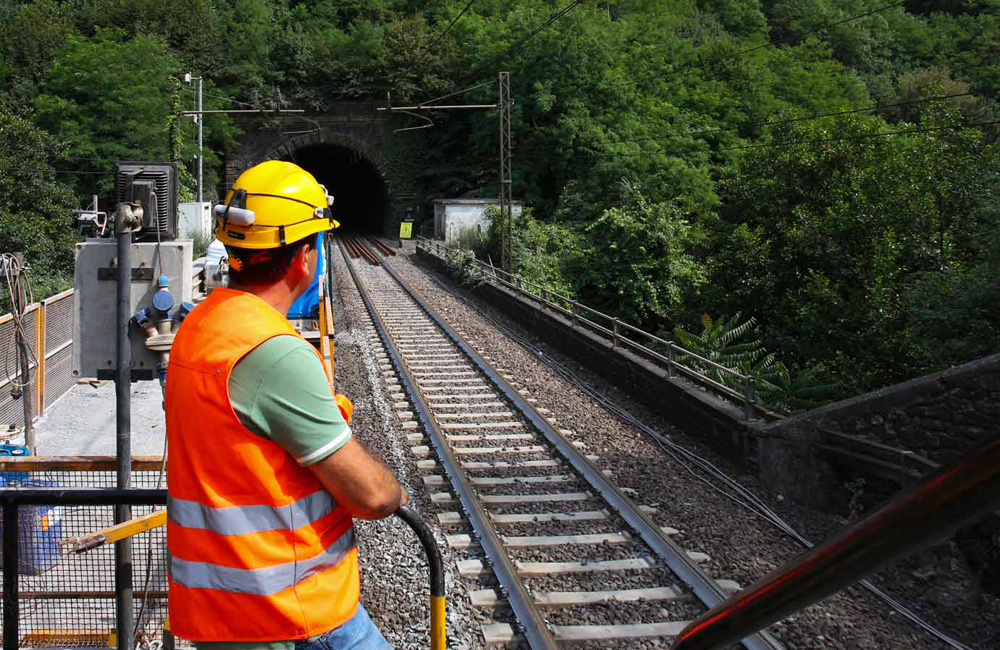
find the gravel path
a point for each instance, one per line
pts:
(744, 548)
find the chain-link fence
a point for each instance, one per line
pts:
(48, 326)
(68, 600)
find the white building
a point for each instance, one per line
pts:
(453, 217)
(195, 221)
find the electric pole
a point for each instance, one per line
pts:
(201, 156)
(506, 202)
(506, 196)
(19, 304)
(197, 118)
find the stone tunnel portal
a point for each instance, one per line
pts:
(361, 195)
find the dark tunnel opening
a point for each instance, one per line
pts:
(361, 197)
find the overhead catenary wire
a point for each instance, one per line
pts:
(481, 69)
(755, 48)
(458, 92)
(425, 51)
(792, 120)
(692, 463)
(780, 144)
(226, 99)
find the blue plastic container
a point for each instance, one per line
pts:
(40, 528)
(307, 305)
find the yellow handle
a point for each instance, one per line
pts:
(437, 623)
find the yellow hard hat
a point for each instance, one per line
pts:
(273, 204)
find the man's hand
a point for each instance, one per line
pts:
(359, 482)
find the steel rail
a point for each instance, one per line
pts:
(536, 630)
(705, 588)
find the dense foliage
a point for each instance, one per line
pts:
(828, 168)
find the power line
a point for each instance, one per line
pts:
(705, 64)
(553, 18)
(227, 99)
(809, 33)
(807, 118)
(446, 29)
(556, 16)
(784, 143)
(458, 92)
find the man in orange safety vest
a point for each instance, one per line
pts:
(265, 475)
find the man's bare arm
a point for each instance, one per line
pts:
(359, 482)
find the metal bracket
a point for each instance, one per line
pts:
(128, 217)
(139, 274)
(138, 374)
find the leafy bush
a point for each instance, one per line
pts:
(724, 341)
(35, 210)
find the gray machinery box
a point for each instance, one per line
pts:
(97, 299)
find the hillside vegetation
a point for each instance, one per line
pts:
(828, 168)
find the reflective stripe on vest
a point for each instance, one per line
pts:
(264, 581)
(240, 520)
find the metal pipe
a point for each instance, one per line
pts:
(123, 435)
(200, 142)
(246, 110)
(956, 494)
(11, 633)
(21, 496)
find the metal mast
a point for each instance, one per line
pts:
(506, 200)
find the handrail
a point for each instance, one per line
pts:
(613, 331)
(945, 500)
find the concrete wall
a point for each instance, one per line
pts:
(452, 217)
(937, 416)
(699, 413)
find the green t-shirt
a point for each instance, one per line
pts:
(280, 392)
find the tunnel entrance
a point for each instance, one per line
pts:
(361, 197)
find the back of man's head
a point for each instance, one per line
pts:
(266, 267)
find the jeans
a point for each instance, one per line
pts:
(358, 633)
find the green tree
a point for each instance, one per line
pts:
(836, 223)
(107, 99)
(35, 208)
(30, 36)
(637, 264)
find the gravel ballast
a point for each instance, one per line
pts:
(741, 547)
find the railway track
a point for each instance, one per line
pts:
(573, 557)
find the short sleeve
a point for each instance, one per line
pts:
(280, 391)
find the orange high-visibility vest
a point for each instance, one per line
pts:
(259, 550)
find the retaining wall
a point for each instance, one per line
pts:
(937, 416)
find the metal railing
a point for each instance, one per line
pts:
(13, 499)
(616, 331)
